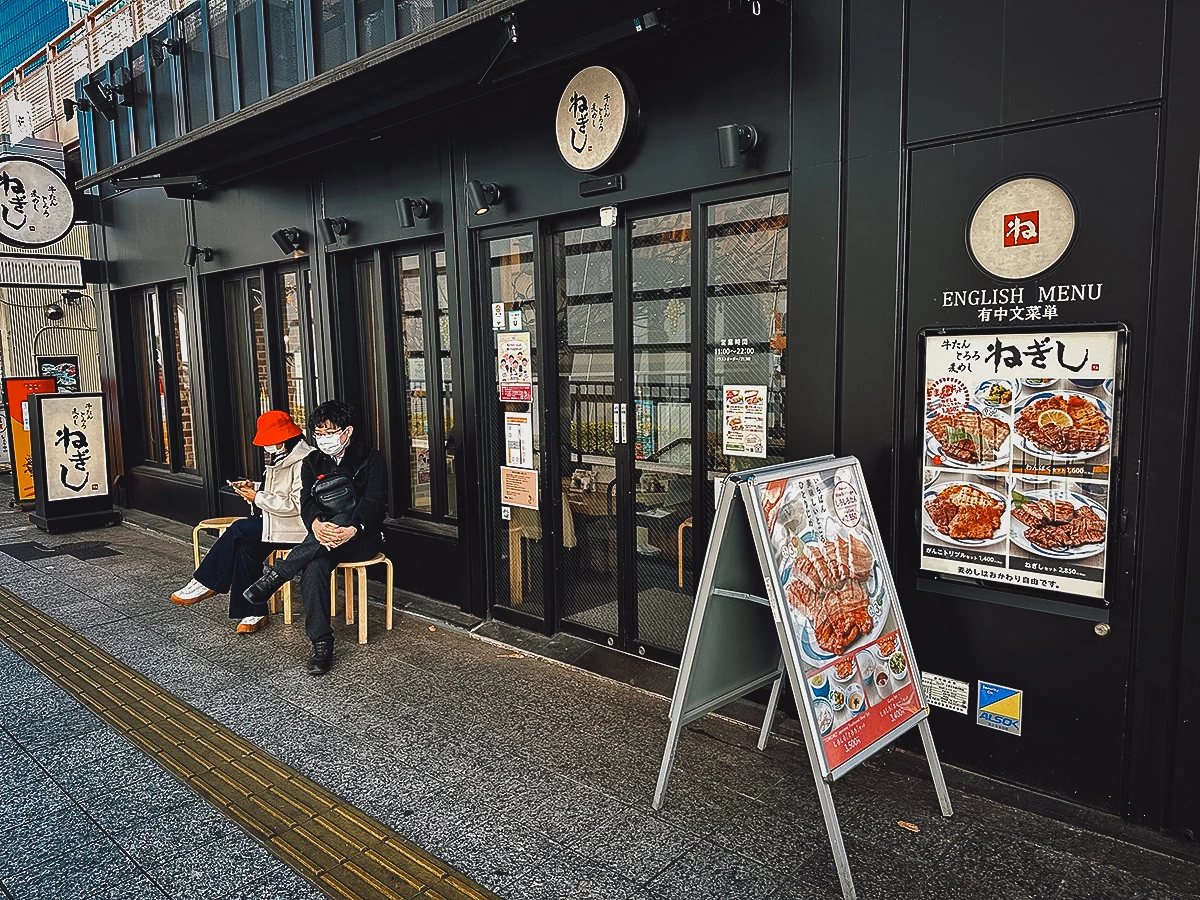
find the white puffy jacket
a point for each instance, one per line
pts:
(278, 496)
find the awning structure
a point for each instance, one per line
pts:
(457, 58)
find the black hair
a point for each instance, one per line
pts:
(291, 443)
(335, 412)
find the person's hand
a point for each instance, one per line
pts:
(245, 490)
(343, 534)
(324, 532)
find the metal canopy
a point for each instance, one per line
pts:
(428, 70)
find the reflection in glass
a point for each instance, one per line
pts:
(583, 283)
(369, 300)
(183, 368)
(413, 15)
(258, 327)
(283, 67)
(447, 376)
(246, 22)
(412, 355)
(222, 67)
(662, 434)
(330, 24)
(295, 354)
(369, 25)
(195, 82)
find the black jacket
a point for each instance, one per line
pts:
(371, 483)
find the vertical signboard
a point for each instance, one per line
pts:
(17, 392)
(1020, 436)
(70, 456)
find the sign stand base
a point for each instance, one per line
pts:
(61, 524)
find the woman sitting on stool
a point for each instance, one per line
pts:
(235, 560)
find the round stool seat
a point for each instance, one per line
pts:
(218, 524)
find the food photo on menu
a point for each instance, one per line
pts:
(841, 610)
(1018, 435)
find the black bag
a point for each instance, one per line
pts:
(335, 492)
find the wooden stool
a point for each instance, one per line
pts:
(218, 525)
(348, 575)
(284, 593)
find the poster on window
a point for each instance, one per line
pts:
(1018, 437)
(840, 609)
(518, 440)
(74, 446)
(643, 446)
(744, 417)
(63, 369)
(514, 367)
(17, 393)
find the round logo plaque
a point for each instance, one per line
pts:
(594, 115)
(1021, 228)
(36, 207)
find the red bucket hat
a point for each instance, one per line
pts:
(275, 427)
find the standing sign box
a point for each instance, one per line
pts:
(795, 579)
(70, 463)
(17, 394)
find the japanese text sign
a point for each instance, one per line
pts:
(514, 367)
(74, 446)
(17, 392)
(36, 207)
(1018, 434)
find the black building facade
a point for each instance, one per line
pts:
(408, 155)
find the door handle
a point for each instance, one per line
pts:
(624, 424)
(616, 423)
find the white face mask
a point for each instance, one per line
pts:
(330, 444)
(272, 448)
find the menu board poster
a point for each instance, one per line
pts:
(744, 417)
(518, 440)
(840, 610)
(1018, 435)
(514, 367)
(17, 392)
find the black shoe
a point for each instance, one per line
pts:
(322, 656)
(260, 592)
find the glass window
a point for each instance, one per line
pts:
(283, 60)
(195, 73)
(222, 66)
(248, 26)
(330, 25)
(746, 290)
(141, 100)
(258, 328)
(414, 15)
(148, 332)
(123, 124)
(369, 25)
(416, 394)
(183, 381)
(162, 67)
(297, 356)
(447, 381)
(367, 286)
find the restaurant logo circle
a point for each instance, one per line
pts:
(594, 115)
(36, 207)
(1021, 228)
(947, 396)
(845, 504)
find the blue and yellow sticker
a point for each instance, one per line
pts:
(999, 707)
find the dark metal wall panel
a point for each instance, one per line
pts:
(688, 84)
(237, 220)
(983, 65)
(145, 234)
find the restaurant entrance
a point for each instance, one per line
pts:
(626, 425)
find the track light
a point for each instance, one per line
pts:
(482, 195)
(409, 208)
(69, 106)
(330, 229)
(288, 239)
(734, 142)
(191, 253)
(102, 98)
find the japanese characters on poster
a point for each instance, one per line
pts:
(73, 442)
(1017, 463)
(744, 418)
(519, 487)
(518, 439)
(63, 369)
(842, 614)
(17, 392)
(514, 367)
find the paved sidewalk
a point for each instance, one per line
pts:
(532, 777)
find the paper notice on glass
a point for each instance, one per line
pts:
(518, 439)
(514, 367)
(744, 431)
(519, 487)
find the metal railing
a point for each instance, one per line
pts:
(48, 77)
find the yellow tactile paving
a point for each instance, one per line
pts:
(338, 848)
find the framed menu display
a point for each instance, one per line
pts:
(1020, 432)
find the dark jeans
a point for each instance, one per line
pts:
(313, 563)
(235, 562)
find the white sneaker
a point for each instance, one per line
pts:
(251, 624)
(191, 592)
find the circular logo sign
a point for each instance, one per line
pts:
(594, 114)
(1021, 228)
(36, 207)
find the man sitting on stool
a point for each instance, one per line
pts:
(348, 533)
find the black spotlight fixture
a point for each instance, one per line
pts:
(330, 229)
(54, 312)
(482, 196)
(410, 208)
(191, 253)
(69, 106)
(102, 98)
(288, 240)
(734, 142)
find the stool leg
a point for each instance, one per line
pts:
(196, 547)
(287, 604)
(333, 593)
(348, 578)
(362, 605)
(388, 599)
